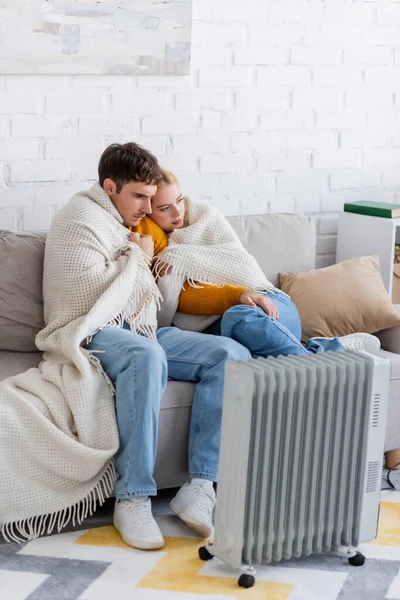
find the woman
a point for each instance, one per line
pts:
(211, 283)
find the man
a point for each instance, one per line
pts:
(138, 367)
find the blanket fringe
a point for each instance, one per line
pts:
(181, 275)
(97, 365)
(148, 331)
(116, 322)
(34, 527)
(133, 316)
(135, 320)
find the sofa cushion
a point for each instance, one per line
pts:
(390, 338)
(171, 466)
(21, 298)
(341, 299)
(279, 242)
(13, 363)
(392, 439)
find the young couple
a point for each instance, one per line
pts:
(217, 306)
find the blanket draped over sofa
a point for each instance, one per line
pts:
(58, 431)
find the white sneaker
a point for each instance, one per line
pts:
(361, 341)
(194, 504)
(136, 524)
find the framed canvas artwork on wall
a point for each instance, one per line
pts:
(131, 37)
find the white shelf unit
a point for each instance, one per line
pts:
(361, 235)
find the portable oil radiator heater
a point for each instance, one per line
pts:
(301, 458)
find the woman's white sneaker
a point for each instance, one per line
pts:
(361, 341)
(194, 505)
(134, 520)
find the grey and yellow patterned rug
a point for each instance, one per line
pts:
(94, 564)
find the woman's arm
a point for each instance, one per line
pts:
(214, 300)
(209, 299)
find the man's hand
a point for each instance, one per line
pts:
(255, 299)
(144, 242)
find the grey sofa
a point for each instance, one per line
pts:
(280, 243)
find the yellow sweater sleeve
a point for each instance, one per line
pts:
(148, 227)
(207, 300)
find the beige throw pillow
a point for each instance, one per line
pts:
(21, 297)
(341, 299)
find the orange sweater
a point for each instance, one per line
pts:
(207, 300)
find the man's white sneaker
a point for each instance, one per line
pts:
(361, 341)
(136, 524)
(194, 504)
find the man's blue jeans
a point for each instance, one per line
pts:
(138, 368)
(265, 336)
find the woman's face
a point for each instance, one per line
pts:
(168, 207)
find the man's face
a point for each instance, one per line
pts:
(133, 201)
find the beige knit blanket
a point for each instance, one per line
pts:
(207, 250)
(58, 431)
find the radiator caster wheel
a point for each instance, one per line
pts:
(246, 581)
(358, 560)
(204, 554)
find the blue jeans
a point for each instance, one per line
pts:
(265, 336)
(138, 367)
(201, 358)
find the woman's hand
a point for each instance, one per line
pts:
(144, 242)
(255, 299)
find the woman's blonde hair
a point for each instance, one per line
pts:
(168, 178)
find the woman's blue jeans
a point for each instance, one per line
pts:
(265, 336)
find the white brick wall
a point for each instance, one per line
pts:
(292, 105)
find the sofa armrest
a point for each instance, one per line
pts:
(390, 338)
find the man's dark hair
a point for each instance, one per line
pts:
(124, 163)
